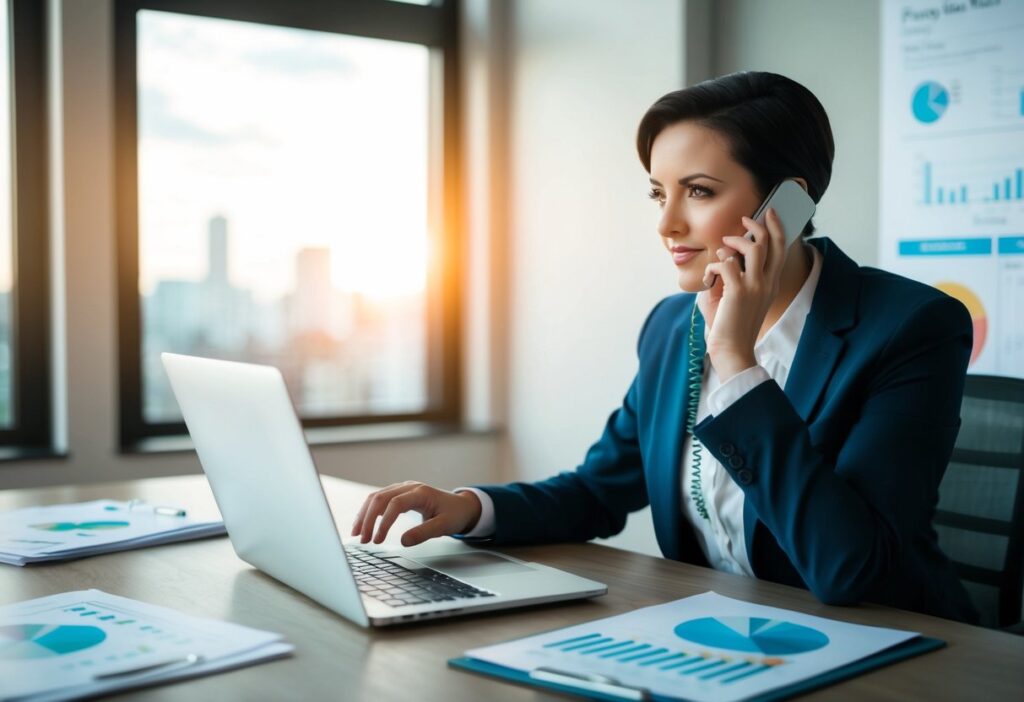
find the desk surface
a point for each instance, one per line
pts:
(337, 660)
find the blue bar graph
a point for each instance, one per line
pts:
(728, 669)
(747, 673)
(1004, 188)
(697, 666)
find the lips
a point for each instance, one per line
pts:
(683, 254)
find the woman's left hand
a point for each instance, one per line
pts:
(737, 304)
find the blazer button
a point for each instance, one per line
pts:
(727, 449)
(745, 477)
(736, 462)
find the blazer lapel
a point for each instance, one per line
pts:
(667, 441)
(675, 536)
(833, 310)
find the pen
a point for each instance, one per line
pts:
(590, 683)
(169, 511)
(163, 510)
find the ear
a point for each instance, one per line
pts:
(802, 182)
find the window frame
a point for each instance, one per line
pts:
(31, 430)
(435, 26)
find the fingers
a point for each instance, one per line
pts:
(753, 252)
(431, 528)
(413, 499)
(728, 270)
(374, 506)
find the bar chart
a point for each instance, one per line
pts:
(990, 187)
(698, 664)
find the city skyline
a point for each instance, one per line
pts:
(342, 352)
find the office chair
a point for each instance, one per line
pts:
(980, 515)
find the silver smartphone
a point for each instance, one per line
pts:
(794, 207)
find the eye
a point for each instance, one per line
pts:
(657, 196)
(699, 191)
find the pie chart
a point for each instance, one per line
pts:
(930, 101)
(771, 637)
(979, 320)
(24, 641)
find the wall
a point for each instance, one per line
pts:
(585, 263)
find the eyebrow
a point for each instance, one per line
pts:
(687, 179)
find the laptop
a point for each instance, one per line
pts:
(254, 453)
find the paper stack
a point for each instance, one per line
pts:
(88, 643)
(62, 532)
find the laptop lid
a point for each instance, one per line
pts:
(251, 446)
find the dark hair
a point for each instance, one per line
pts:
(775, 127)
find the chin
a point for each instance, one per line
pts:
(688, 282)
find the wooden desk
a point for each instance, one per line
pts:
(338, 661)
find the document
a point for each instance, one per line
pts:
(61, 532)
(707, 648)
(87, 643)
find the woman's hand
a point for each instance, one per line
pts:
(735, 307)
(443, 512)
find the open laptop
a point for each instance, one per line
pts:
(251, 446)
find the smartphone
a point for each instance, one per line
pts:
(794, 207)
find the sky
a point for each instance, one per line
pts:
(298, 138)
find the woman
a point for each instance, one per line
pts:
(823, 397)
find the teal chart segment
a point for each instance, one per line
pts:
(771, 637)
(74, 526)
(930, 102)
(24, 641)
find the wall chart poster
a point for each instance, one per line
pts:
(952, 162)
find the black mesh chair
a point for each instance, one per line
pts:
(980, 515)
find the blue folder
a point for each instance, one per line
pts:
(907, 649)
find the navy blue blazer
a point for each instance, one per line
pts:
(840, 470)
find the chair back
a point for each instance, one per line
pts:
(980, 513)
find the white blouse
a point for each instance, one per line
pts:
(721, 536)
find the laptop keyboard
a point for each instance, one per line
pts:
(392, 584)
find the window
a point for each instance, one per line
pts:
(284, 197)
(6, 224)
(24, 298)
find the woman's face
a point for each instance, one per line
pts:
(702, 194)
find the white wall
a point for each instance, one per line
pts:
(585, 264)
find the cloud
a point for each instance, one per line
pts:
(159, 121)
(298, 59)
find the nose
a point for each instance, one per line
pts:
(672, 223)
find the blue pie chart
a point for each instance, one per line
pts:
(930, 101)
(770, 637)
(23, 641)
